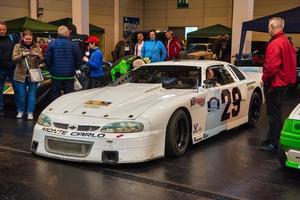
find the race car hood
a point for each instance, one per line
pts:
(125, 101)
(295, 114)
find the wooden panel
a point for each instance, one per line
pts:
(13, 4)
(8, 13)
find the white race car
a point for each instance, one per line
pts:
(157, 111)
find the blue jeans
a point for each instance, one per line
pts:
(27, 89)
(4, 74)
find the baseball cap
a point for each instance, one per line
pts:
(92, 39)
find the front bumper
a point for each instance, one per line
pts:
(290, 142)
(107, 148)
(293, 159)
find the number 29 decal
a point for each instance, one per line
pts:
(236, 102)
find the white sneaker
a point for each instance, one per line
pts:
(29, 116)
(19, 115)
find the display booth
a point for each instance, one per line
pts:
(292, 25)
(203, 35)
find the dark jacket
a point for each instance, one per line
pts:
(280, 62)
(120, 49)
(63, 57)
(95, 63)
(6, 50)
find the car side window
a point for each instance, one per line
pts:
(220, 75)
(237, 72)
(227, 78)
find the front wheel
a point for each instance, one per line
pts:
(254, 109)
(178, 134)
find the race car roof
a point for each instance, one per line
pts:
(195, 63)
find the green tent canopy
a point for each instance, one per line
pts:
(210, 31)
(94, 30)
(27, 23)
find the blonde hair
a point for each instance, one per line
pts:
(27, 32)
(276, 22)
(63, 31)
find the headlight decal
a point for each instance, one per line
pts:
(44, 120)
(123, 127)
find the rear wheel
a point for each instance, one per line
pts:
(254, 109)
(178, 134)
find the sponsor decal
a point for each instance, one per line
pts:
(213, 104)
(54, 131)
(251, 88)
(91, 135)
(197, 139)
(253, 82)
(198, 100)
(96, 103)
(196, 128)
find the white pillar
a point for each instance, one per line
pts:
(33, 6)
(116, 21)
(242, 11)
(80, 15)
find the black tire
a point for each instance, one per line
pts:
(178, 134)
(254, 109)
(281, 156)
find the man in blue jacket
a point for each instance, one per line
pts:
(154, 49)
(63, 58)
(94, 62)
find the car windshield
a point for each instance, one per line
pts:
(171, 77)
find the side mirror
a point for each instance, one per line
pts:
(200, 88)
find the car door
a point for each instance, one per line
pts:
(222, 100)
(239, 96)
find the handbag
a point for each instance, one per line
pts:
(77, 84)
(34, 74)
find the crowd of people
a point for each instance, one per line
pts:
(62, 58)
(152, 49)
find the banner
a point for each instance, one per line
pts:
(182, 3)
(130, 24)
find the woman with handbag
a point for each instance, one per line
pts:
(27, 55)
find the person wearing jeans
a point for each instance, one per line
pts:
(22, 93)
(26, 89)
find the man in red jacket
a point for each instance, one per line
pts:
(279, 73)
(172, 45)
